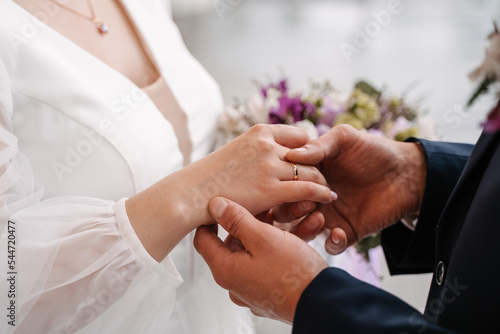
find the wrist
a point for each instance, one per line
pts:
(161, 216)
(415, 176)
(317, 266)
(190, 195)
(180, 197)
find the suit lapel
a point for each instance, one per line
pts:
(456, 210)
(482, 147)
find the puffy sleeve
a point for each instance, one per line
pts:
(71, 264)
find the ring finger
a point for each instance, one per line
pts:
(296, 172)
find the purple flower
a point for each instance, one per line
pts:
(309, 110)
(275, 116)
(281, 86)
(293, 106)
(329, 111)
(400, 124)
(376, 132)
(263, 91)
(322, 129)
(492, 123)
(291, 110)
(329, 115)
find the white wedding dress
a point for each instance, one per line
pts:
(76, 139)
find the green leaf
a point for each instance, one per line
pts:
(481, 89)
(363, 247)
(366, 88)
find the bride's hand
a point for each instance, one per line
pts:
(251, 170)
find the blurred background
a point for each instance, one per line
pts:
(428, 47)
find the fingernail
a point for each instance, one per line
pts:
(314, 224)
(304, 206)
(217, 207)
(334, 195)
(300, 150)
(335, 239)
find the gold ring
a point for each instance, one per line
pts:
(295, 171)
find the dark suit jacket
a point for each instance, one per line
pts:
(457, 237)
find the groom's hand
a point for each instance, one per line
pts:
(378, 182)
(263, 268)
(299, 218)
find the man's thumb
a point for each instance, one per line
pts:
(327, 146)
(235, 219)
(312, 153)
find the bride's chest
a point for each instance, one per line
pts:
(87, 130)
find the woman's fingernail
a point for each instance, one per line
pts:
(335, 239)
(334, 195)
(304, 206)
(217, 207)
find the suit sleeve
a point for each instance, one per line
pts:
(336, 302)
(409, 251)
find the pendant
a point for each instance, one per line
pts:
(103, 29)
(101, 26)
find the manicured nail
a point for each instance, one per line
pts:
(217, 207)
(334, 195)
(335, 239)
(304, 206)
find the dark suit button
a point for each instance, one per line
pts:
(440, 273)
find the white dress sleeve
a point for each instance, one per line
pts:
(71, 264)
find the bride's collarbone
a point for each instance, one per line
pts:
(120, 48)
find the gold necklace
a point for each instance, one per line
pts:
(96, 20)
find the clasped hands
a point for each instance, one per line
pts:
(378, 182)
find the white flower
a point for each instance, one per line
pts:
(234, 119)
(339, 98)
(232, 123)
(491, 63)
(309, 127)
(257, 110)
(271, 100)
(426, 129)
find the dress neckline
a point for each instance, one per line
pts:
(140, 34)
(153, 84)
(150, 87)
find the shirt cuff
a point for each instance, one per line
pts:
(410, 222)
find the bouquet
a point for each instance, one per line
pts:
(488, 75)
(320, 108)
